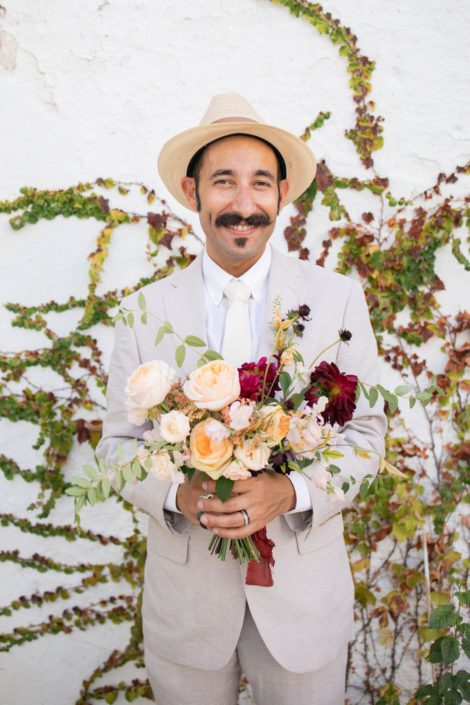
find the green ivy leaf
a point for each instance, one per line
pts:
(443, 616)
(445, 649)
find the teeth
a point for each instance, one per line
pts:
(241, 228)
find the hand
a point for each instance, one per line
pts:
(187, 497)
(263, 497)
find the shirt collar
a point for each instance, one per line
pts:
(216, 278)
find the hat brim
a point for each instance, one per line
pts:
(176, 154)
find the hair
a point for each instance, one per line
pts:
(195, 164)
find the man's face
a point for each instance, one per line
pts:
(239, 195)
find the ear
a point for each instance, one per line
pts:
(188, 186)
(283, 191)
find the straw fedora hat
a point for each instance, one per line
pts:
(228, 114)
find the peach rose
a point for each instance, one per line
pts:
(210, 452)
(213, 386)
(275, 423)
(147, 386)
(253, 454)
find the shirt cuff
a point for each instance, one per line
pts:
(303, 500)
(170, 500)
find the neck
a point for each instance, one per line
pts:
(235, 267)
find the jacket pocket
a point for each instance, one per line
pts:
(321, 536)
(173, 545)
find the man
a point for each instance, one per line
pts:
(202, 625)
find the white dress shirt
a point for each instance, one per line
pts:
(216, 304)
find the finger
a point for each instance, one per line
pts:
(208, 486)
(234, 504)
(223, 521)
(241, 533)
(242, 486)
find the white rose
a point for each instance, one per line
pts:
(148, 386)
(236, 471)
(136, 416)
(240, 415)
(216, 431)
(174, 426)
(252, 454)
(213, 386)
(152, 436)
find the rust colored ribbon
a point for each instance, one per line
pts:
(259, 572)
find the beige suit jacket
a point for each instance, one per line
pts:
(194, 604)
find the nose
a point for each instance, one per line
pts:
(243, 202)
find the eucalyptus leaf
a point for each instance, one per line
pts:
(194, 341)
(180, 354)
(141, 300)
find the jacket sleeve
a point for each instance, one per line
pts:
(148, 495)
(365, 430)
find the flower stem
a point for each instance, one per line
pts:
(322, 352)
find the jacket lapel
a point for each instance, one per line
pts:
(286, 285)
(183, 303)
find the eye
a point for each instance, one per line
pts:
(263, 183)
(222, 181)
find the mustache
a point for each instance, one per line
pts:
(229, 219)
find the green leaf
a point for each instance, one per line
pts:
(285, 381)
(452, 697)
(412, 402)
(364, 390)
(443, 616)
(463, 597)
(79, 503)
(212, 355)
(373, 396)
(194, 341)
(445, 650)
(334, 469)
(403, 389)
(392, 402)
(180, 354)
(466, 646)
(127, 473)
(105, 487)
(141, 300)
(75, 491)
(224, 487)
(143, 318)
(462, 681)
(91, 494)
(81, 482)
(160, 335)
(91, 472)
(137, 469)
(168, 327)
(363, 489)
(130, 319)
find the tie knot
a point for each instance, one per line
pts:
(236, 290)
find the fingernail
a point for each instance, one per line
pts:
(200, 505)
(204, 485)
(203, 520)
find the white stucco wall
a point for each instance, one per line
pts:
(93, 89)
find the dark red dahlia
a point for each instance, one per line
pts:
(340, 389)
(251, 376)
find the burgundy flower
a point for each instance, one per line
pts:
(251, 376)
(340, 389)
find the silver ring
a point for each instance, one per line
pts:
(246, 518)
(206, 495)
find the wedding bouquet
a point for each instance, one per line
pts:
(273, 415)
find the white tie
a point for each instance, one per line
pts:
(236, 346)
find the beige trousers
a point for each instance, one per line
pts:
(173, 684)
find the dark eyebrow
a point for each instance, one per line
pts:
(229, 172)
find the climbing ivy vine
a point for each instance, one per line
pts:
(404, 538)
